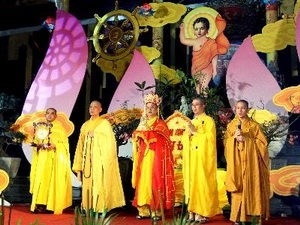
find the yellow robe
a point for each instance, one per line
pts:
(50, 174)
(247, 171)
(199, 168)
(97, 159)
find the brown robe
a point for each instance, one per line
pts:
(247, 171)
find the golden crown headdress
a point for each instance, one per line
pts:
(152, 98)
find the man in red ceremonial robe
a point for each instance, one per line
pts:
(153, 171)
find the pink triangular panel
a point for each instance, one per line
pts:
(298, 35)
(248, 78)
(59, 79)
(60, 76)
(138, 71)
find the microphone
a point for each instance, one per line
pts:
(239, 125)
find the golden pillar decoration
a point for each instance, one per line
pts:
(62, 5)
(157, 39)
(157, 42)
(272, 17)
(66, 4)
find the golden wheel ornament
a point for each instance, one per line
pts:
(115, 35)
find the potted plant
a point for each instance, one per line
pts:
(8, 133)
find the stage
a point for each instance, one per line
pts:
(20, 214)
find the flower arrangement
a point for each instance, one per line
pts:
(124, 121)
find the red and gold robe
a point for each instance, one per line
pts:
(153, 171)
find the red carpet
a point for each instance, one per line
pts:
(21, 213)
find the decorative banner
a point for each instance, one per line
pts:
(251, 80)
(289, 99)
(160, 13)
(285, 181)
(267, 41)
(178, 125)
(60, 76)
(127, 93)
(59, 79)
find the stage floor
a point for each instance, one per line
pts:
(20, 214)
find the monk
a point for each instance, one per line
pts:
(247, 158)
(199, 165)
(96, 164)
(153, 166)
(50, 177)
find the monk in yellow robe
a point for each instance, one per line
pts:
(153, 167)
(200, 165)
(96, 164)
(247, 159)
(50, 174)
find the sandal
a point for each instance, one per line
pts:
(200, 219)
(40, 209)
(190, 221)
(191, 217)
(156, 218)
(139, 217)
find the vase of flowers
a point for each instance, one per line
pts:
(124, 121)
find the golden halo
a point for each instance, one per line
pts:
(208, 13)
(25, 123)
(4, 180)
